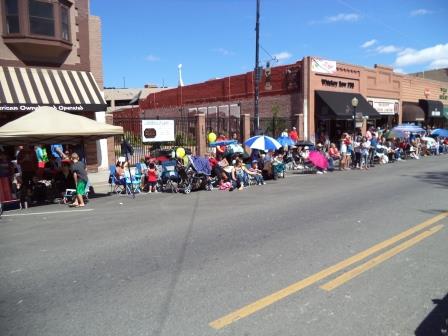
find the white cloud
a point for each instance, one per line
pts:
(433, 56)
(341, 17)
(345, 17)
(368, 43)
(152, 58)
(389, 49)
(223, 51)
(439, 63)
(420, 12)
(283, 56)
(399, 70)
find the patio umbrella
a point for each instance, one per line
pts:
(223, 143)
(235, 148)
(393, 134)
(304, 143)
(262, 142)
(440, 132)
(408, 128)
(285, 141)
(428, 139)
(318, 159)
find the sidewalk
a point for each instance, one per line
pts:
(99, 181)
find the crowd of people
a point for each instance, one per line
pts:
(37, 174)
(364, 150)
(231, 170)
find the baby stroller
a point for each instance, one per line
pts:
(169, 178)
(195, 175)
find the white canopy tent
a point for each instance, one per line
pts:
(46, 125)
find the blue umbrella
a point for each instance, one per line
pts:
(285, 141)
(262, 142)
(223, 143)
(408, 128)
(440, 132)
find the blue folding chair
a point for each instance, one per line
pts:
(116, 186)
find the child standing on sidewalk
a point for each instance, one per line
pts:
(152, 176)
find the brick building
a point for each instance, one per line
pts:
(51, 54)
(313, 94)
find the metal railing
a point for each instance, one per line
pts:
(184, 130)
(273, 126)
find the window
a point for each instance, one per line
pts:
(12, 16)
(41, 18)
(65, 26)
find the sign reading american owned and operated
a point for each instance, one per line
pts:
(64, 108)
(25, 89)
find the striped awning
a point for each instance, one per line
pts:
(25, 89)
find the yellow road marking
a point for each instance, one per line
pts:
(296, 287)
(340, 280)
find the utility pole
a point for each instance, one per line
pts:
(257, 72)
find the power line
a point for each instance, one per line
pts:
(273, 58)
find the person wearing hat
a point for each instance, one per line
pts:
(256, 173)
(293, 135)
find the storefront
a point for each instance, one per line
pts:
(413, 113)
(388, 109)
(24, 89)
(433, 112)
(333, 85)
(335, 113)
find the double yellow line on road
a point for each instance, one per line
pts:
(298, 286)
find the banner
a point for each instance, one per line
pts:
(384, 106)
(323, 66)
(157, 130)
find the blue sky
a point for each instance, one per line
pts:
(145, 40)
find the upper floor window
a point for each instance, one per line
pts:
(12, 16)
(65, 23)
(41, 18)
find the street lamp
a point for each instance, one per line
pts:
(354, 105)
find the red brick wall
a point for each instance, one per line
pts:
(285, 81)
(288, 105)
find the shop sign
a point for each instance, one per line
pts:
(384, 106)
(323, 66)
(31, 108)
(443, 94)
(335, 84)
(157, 130)
(436, 113)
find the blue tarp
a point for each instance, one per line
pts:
(201, 164)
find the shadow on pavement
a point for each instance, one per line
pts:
(436, 323)
(439, 178)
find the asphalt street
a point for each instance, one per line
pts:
(334, 254)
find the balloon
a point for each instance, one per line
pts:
(180, 152)
(211, 137)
